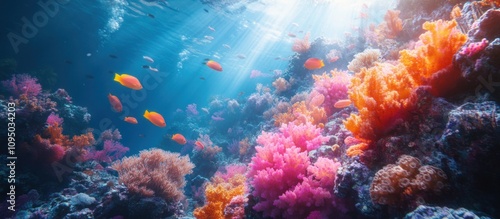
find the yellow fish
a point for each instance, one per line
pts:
(128, 81)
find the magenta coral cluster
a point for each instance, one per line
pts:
(112, 151)
(54, 120)
(282, 177)
(22, 84)
(333, 88)
(474, 48)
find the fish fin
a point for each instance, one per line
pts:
(146, 114)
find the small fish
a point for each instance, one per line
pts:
(149, 59)
(241, 93)
(113, 56)
(89, 76)
(213, 65)
(130, 120)
(205, 10)
(209, 37)
(199, 145)
(180, 139)
(241, 56)
(115, 102)
(314, 63)
(151, 16)
(146, 66)
(226, 46)
(292, 35)
(211, 28)
(342, 103)
(153, 69)
(68, 62)
(295, 24)
(128, 81)
(155, 118)
(202, 78)
(141, 135)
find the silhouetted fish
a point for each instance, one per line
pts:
(68, 62)
(89, 76)
(205, 10)
(145, 66)
(151, 16)
(113, 56)
(202, 78)
(111, 72)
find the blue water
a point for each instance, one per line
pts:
(77, 42)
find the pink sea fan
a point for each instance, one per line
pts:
(54, 120)
(22, 84)
(112, 151)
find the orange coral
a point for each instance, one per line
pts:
(302, 113)
(437, 47)
(382, 93)
(83, 140)
(218, 195)
(244, 146)
(56, 136)
(393, 24)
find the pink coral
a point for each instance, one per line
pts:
(302, 46)
(22, 84)
(155, 173)
(474, 48)
(54, 120)
(334, 87)
(281, 174)
(112, 151)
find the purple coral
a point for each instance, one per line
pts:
(21, 84)
(112, 151)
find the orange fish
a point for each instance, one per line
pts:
(155, 118)
(314, 63)
(342, 103)
(128, 81)
(130, 120)
(115, 102)
(199, 145)
(214, 65)
(179, 139)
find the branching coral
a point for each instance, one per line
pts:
(333, 87)
(382, 96)
(302, 45)
(383, 93)
(434, 52)
(393, 24)
(155, 173)
(283, 179)
(281, 84)
(220, 194)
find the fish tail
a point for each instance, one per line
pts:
(117, 77)
(146, 114)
